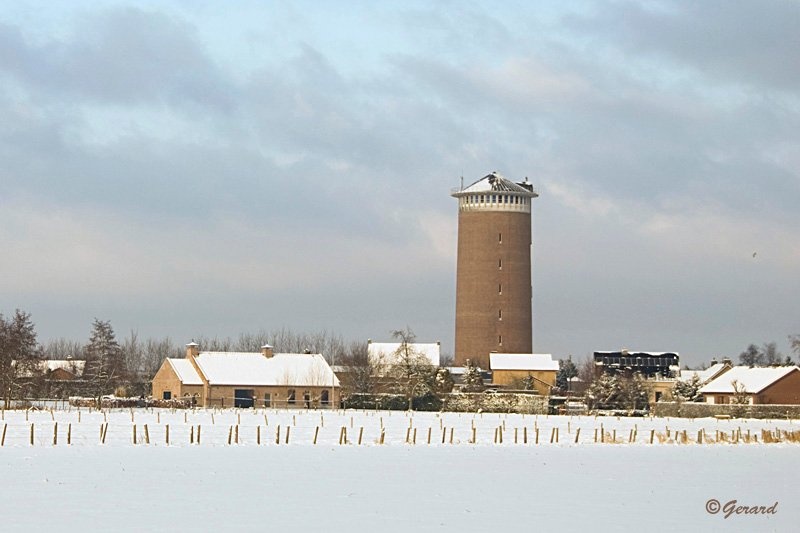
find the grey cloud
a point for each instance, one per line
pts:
(750, 43)
(122, 56)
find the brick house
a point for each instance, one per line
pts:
(772, 385)
(244, 379)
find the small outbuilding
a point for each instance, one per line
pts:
(744, 384)
(245, 379)
(514, 369)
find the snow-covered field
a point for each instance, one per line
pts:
(397, 486)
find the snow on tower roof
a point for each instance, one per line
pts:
(495, 182)
(522, 361)
(245, 368)
(754, 380)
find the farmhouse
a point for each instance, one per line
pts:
(743, 384)
(243, 379)
(513, 369)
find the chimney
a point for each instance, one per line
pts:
(192, 350)
(266, 351)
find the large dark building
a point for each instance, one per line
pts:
(493, 278)
(646, 364)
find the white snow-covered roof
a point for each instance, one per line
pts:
(70, 365)
(244, 368)
(185, 371)
(495, 182)
(754, 380)
(386, 352)
(522, 361)
(704, 375)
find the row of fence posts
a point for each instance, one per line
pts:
(680, 437)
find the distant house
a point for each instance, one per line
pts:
(63, 369)
(244, 379)
(512, 369)
(771, 385)
(387, 353)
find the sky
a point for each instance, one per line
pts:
(186, 168)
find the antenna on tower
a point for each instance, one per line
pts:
(462, 182)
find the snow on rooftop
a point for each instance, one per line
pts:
(71, 365)
(386, 352)
(754, 380)
(185, 371)
(703, 375)
(245, 368)
(522, 361)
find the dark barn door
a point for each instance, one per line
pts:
(243, 398)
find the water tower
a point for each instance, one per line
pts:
(493, 273)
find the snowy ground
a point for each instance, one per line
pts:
(588, 486)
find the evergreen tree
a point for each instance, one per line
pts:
(566, 370)
(689, 390)
(473, 381)
(105, 362)
(20, 354)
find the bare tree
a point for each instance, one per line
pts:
(62, 348)
(412, 371)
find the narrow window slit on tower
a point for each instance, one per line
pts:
(500, 264)
(500, 288)
(500, 340)
(500, 314)
(500, 237)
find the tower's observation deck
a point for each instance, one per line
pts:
(493, 279)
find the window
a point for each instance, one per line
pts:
(267, 399)
(500, 264)
(500, 288)
(499, 237)
(323, 398)
(499, 314)
(306, 399)
(500, 340)
(290, 397)
(167, 395)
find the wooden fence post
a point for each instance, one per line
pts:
(134, 434)
(288, 432)
(652, 435)
(258, 435)
(166, 434)
(69, 434)
(26, 413)
(55, 433)
(105, 432)
(316, 434)
(146, 435)
(361, 434)
(577, 435)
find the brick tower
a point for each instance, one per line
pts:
(493, 273)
